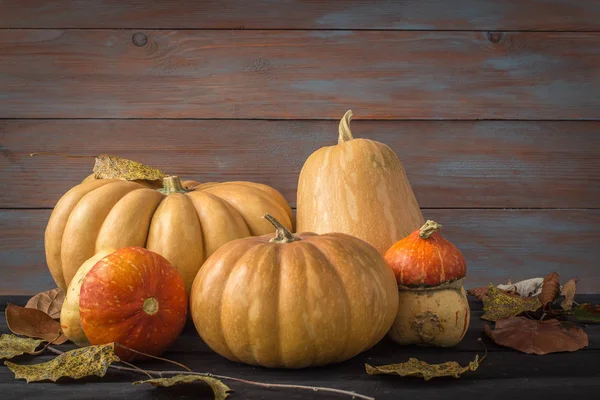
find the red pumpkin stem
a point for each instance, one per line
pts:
(344, 129)
(429, 229)
(282, 234)
(172, 184)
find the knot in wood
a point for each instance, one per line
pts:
(494, 37)
(139, 39)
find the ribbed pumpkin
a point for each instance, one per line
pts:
(293, 301)
(358, 187)
(183, 223)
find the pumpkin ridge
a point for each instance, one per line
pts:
(343, 349)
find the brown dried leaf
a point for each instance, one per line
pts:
(12, 346)
(537, 337)
(421, 369)
(219, 388)
(78, 363)
(568, 290)
(479, 292)
(49, 302)
(587, 312)
(34, 324)
(112, 167)
(550, 289)
(498, 305)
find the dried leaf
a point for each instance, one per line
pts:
(112, 167)
(537, 337)
(526, 288)
(550, 289)
(78, 363)
(498, 305)
(49, 302)
(421, 369)
(479, 292)
(34, 324)
(219, 388)
(587, 312)
(12, 346)
(568, 290)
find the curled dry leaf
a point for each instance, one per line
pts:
(568, 290)
(112, 167)
(550, 289)
(479, 292)
(526, 288)
(78, 363)
(587, 312)
(421, 369)
(537, 337)
(12, 346)
(34, 324)
(498, 305)
(219, 388)
(49, 302)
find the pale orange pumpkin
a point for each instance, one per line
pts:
(358, 187)
(293, 301)
(185, 223)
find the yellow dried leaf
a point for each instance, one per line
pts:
(78, 363)
(112, 167)
(12, 346)
(219, 388)
(498, 305)
(421, 369)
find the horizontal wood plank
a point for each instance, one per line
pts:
(497, 244)
(299, 14)
(484, 164)
(299, 74)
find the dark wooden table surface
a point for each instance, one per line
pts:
(505, 374)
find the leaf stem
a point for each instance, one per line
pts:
(160, 374)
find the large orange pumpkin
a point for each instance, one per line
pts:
(357, 187)
(185, 223)
(293, 301)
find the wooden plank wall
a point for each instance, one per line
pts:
(493, 107)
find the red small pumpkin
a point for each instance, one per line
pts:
(136, 298)
(432, 306)
(425, 258)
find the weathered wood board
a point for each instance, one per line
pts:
(299, 74)
(481, 164)
(497, 244)
(299, 14)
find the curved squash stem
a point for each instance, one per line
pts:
(282, 234)
(429, 229)
(344, 128)
(160, 374)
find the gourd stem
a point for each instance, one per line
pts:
(282, 234)
(344, 129)
(428, 229)
(172, 184)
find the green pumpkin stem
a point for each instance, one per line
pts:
(172, 184)
(282, 234)
(344, 129)
(429, 229)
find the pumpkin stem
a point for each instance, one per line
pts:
(428, 229)
(172, 184)
(282, 234)
(344, 129)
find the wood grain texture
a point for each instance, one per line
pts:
(449, 163)
(299, 74)
(299, 14)
(497, 244)
(505, 373)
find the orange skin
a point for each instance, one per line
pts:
(425, 262)
(114, 305)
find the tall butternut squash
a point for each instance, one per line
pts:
(358, 187)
